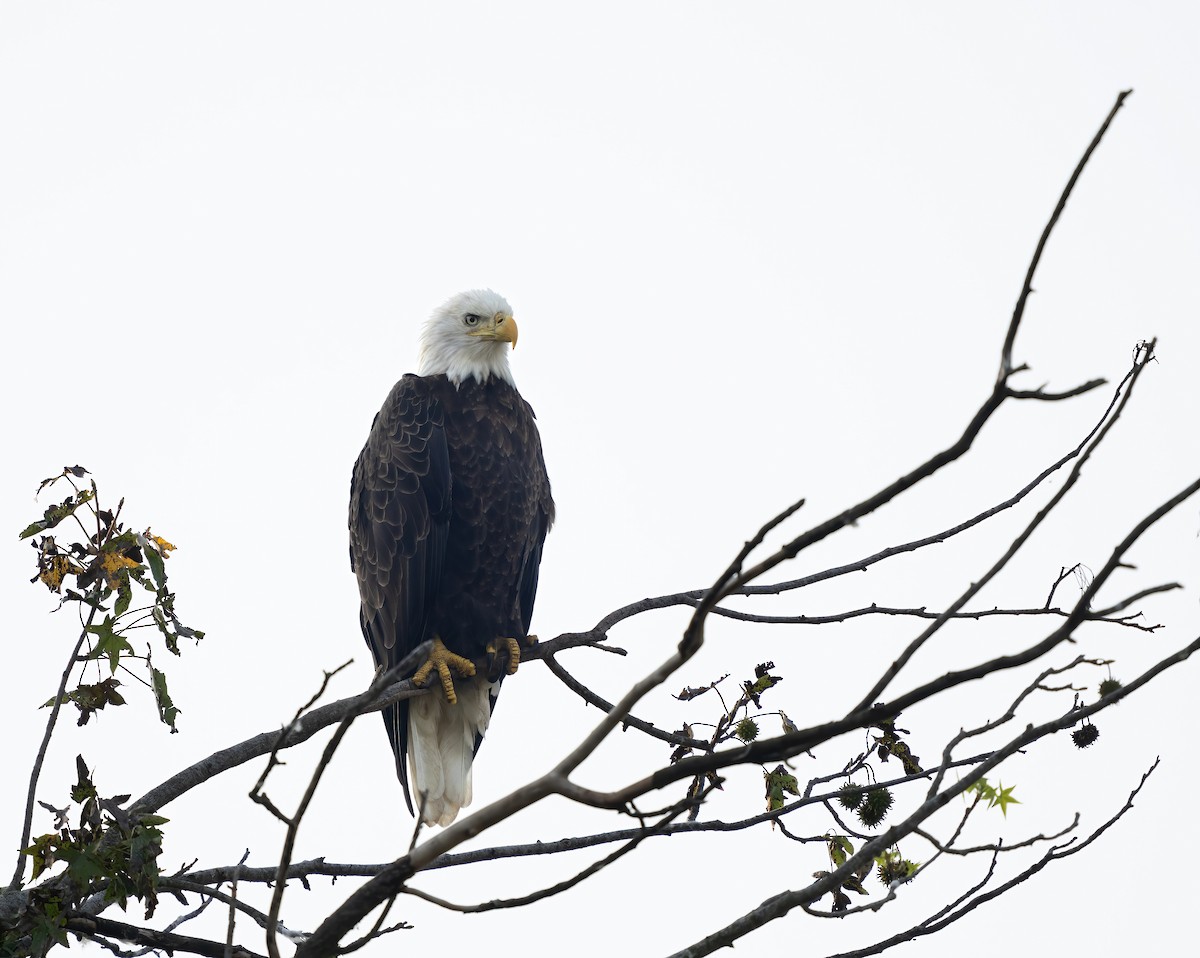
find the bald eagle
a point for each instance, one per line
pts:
(449, 507)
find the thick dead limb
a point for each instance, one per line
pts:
(91, 926)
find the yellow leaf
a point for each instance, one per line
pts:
(111, 564)
(163, 545)
(58, 568)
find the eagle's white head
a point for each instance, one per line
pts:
(469, 335)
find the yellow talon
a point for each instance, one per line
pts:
(512, 647)
(514, 655)
(442, 659)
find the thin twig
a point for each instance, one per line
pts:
(293, 822)
(36, 772)
(997, 848)
(1063, 572)
(637, 838)
(632, 721)
(922, 613)
(1006, 367)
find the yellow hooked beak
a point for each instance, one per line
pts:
(499, 328)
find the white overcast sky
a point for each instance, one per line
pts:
(758, 251)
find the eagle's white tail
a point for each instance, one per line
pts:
(441, 747)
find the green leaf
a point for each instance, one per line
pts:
(779, 781)
(146, 843)
(763, 680)
(83, 788)
(854, 884)
(840, 848)
(89, 698)
(160, 619)
(985, 790)
(42, 851)
(1004, 798)
(167, 712)
(56, 514)
(124, 597)
(108, 643)
(84, 865)
(47, 931)
(117, 891)
(157, 569)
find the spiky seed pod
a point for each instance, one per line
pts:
(894, 869)
(1108, 685)
(1085, 735)
(849, 797)
(874, 807)
(747, 730)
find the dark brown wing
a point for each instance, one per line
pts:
(399, 521)
(545, 519)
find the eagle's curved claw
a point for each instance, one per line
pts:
(442, 659)
(513, 657)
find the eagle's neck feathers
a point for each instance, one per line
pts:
(459, 361)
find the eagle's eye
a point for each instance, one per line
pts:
(471, 319)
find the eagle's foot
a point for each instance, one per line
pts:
(531, 640)
(501, 649)
(442, 659)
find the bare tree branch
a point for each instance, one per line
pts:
(1136, 597)
(1006, 366)
(997, 848)
(1054, 397)
(293, 822)
(210, 894)
(91, 926)
(36, 771)
(631, 721)
(924, 613)
(638, 836)
(975, 587)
